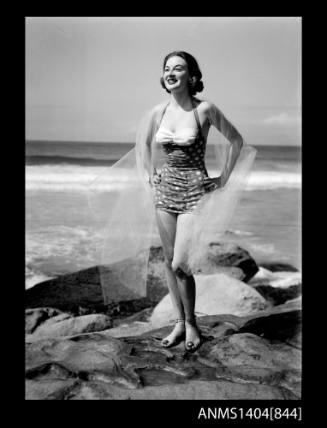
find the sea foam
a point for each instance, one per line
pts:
(79, 178)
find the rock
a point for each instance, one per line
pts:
(215, 294)
(290, 305)
(225, 257)
(53, 389)
(81, 292)
(142, 316)
(63, 358)
(192, 390)
(54, 320)
(35, 317)
(60, 326)
(68, 292)
(129, 308)
(276, 295)
(278, 267)
(134, 328)
(275, 326)
(296, 301)
(249, 357)
(240, 358)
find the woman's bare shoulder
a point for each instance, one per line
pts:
(206, 106)
(208, 110)
(152, 113)
(158, 107)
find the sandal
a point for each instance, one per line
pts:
(165, 343)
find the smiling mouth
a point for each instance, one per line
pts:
(170, 81)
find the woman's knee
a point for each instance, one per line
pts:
(168, 262)
(180, 269)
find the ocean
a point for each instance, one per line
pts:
(62, 237)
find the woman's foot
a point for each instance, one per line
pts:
(176, 336)
(193, 335)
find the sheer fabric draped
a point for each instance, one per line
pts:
(127, 217)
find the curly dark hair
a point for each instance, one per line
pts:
(196, 85)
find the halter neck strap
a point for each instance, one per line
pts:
(196, 115)
(162, 114)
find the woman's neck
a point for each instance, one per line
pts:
(181, 100)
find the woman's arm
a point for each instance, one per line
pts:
(151, 170)
(219, 121)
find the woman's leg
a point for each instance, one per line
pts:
(185, 279)
(167, 230)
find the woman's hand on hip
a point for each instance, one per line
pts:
(155, 179)
(212, 183)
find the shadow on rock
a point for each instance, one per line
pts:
(281, 326)
(278, 295)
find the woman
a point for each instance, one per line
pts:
(183, 181)
(169, 186)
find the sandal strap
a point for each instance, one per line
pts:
(179, 320)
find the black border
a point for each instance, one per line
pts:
(171, 412)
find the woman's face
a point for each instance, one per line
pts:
(176, 74)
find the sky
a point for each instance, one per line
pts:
(93, 78)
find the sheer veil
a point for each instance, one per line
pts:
(127, 217)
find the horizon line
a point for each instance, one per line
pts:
(133, 142)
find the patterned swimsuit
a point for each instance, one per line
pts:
(184, 172)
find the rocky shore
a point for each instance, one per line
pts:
(249, 314)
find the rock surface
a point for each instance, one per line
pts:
(228, 258)
(82, 290)
(80, 349)
(68, 292)
(279, 267)
(66, 325)
(250, 357)
(215, 294)
(35, 317)
(80, 293)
